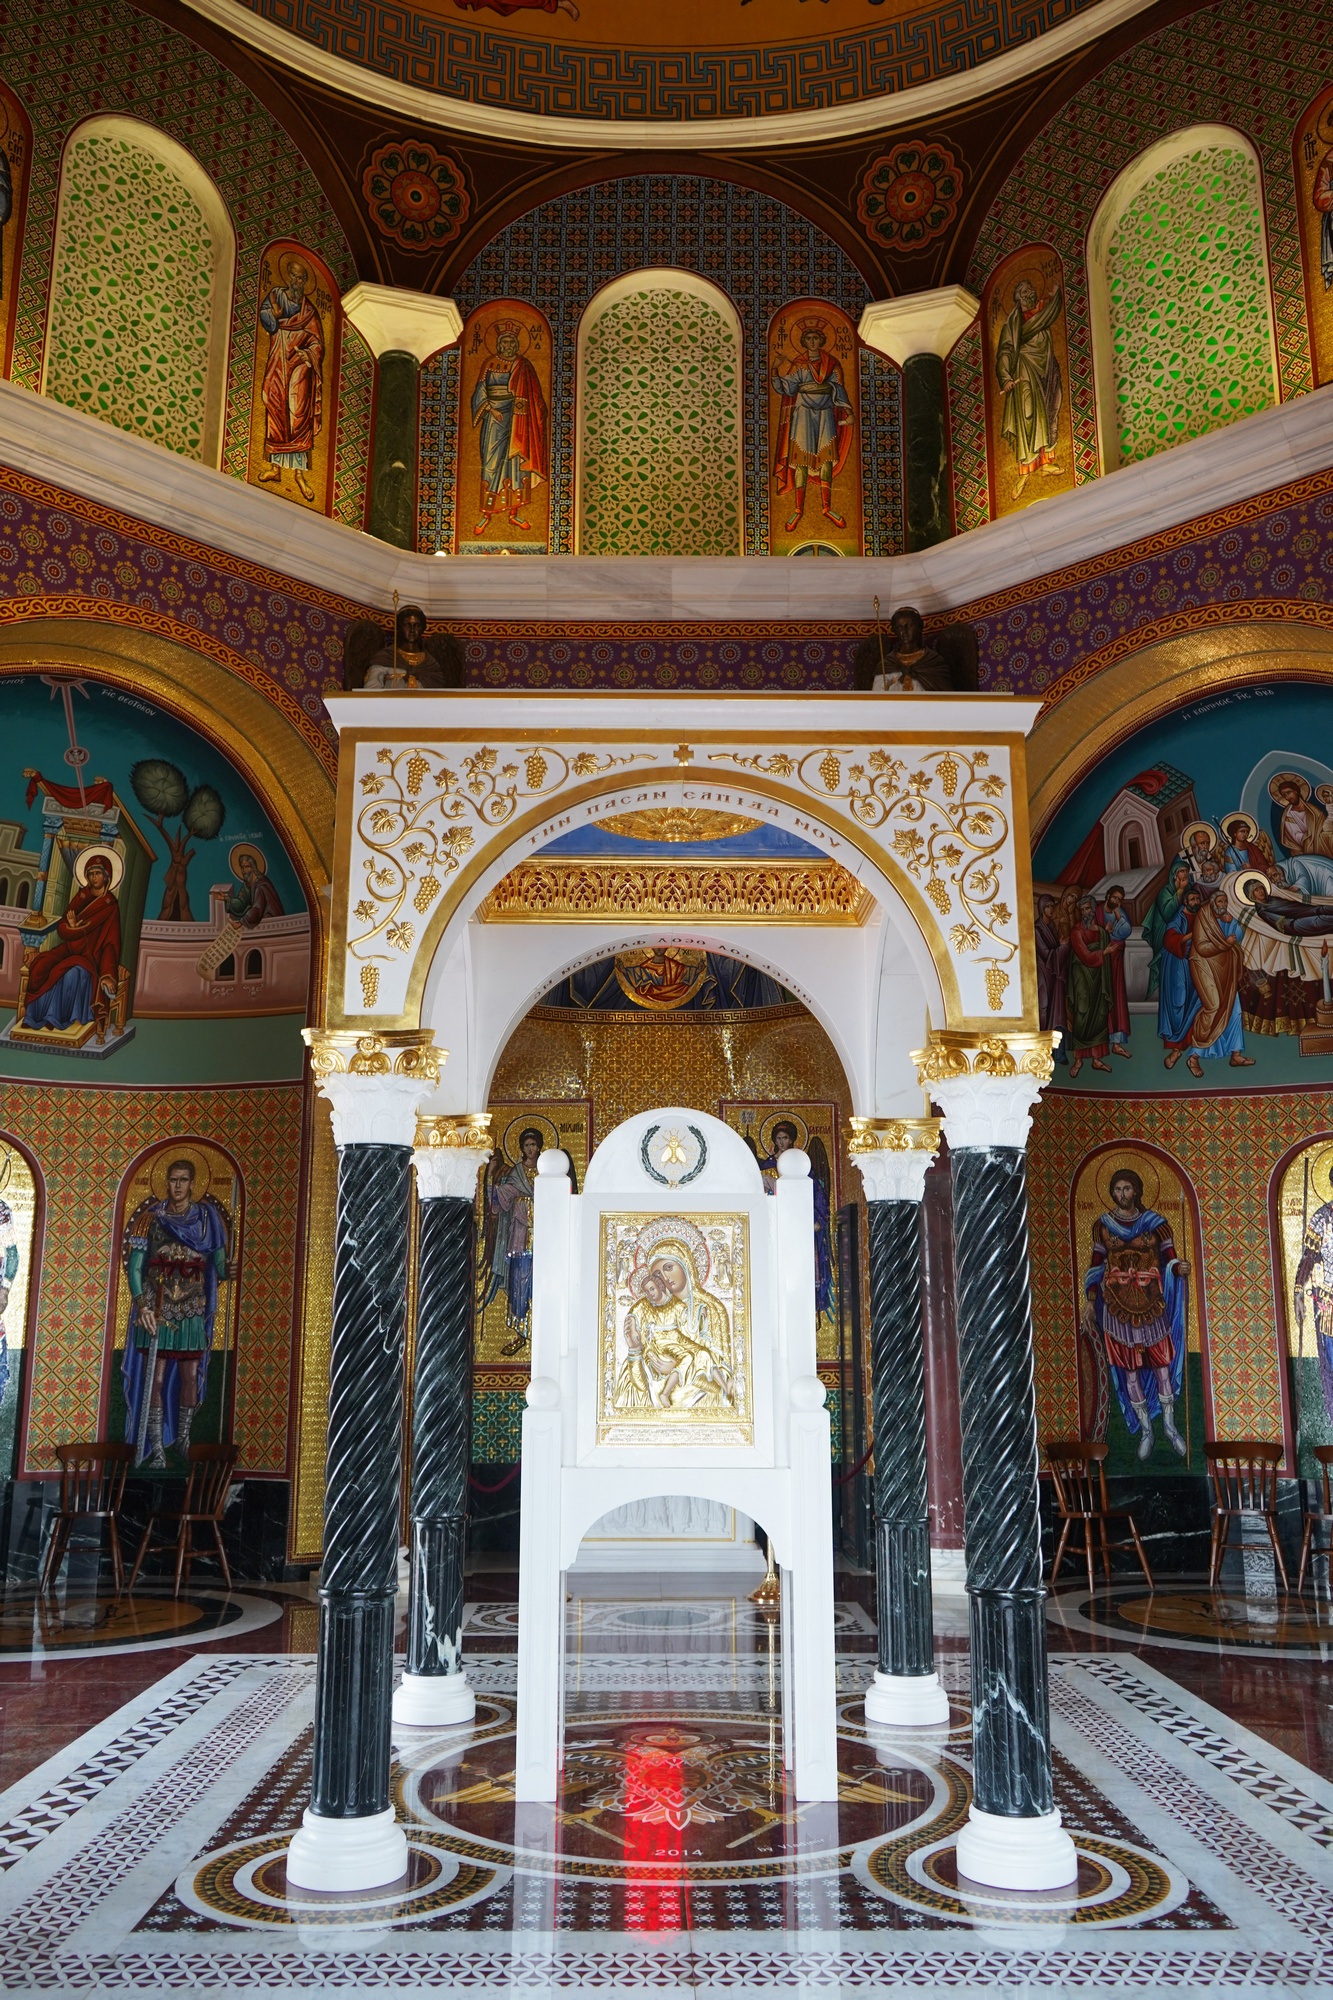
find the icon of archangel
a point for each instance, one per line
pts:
(675, 1330)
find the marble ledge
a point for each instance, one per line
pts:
(75, 452)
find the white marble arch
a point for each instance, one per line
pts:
(873, 988)
(673, 1532)
(571, 1478)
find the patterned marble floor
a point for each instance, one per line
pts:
(147, 1854)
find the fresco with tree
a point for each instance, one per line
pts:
(141, 884)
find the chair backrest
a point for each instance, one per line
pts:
(1323, 1458)
(1244, 1474)
(92, 1475)
(1078, 1468)
(211, 1467)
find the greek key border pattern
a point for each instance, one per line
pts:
(484, 65)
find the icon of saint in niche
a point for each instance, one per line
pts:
(1135, 1303)
(1027, 370)
(510, 409)
(506, 1247)
(775, 1140)
(293, 388)
(177, 1254)
(815, 424)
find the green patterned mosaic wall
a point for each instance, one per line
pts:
(1238, 63)
(132, 295)
(1187, 288)
(662, 448)
(109, 58)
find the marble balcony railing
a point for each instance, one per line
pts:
(88, 458)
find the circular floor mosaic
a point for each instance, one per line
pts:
(246, 1883)
(34, 1625)
(1193, 1618)
(663, 1808)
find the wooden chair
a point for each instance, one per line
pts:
(1318, 1517)
(206, 1490)
(1078, 1469)
(92, 1487)
(1243, 1472)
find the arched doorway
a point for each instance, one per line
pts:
(637, 1026)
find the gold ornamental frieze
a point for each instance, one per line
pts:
(770, 892)
(945, 815)
(909, 805)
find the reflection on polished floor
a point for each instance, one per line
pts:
(1194, 1766)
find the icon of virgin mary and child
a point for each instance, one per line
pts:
(675, 1332)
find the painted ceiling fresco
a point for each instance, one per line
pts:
(695, 59)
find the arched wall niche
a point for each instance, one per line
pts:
(145, 351)
(659, 428)
(1162, 327)
(1107, 1395)
(1073, 736)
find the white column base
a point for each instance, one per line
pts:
(906, 1701)
(433, 1701)
(342, 1854)
(1004, 1853)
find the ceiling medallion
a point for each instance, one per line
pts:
(911, 194)
(415, 194)
(677, 823)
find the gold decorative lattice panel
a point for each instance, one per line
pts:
(661, 458)
(132, 295)
(1191, 324)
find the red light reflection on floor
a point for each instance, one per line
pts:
(654, 1835)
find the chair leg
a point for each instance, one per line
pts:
(1060, 1549)
(138, 1560)
(1106, 1549)
(1278, 1558)
(1139, 1550)
(55, 1549)
(117, 1559)
(1220, 1528)
(181, 1558)
(1088, 1554)
(222, 1554)
(1307, 1534)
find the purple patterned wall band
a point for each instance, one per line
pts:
(1267, 557)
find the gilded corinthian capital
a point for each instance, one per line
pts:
(950, 1053)
(342, 1052)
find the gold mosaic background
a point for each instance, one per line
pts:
(634, 1062)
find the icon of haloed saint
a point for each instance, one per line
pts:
(1027, 369)
(1135, 1291)
(177, 1253)
(506, 1248)
(509, 407)
(675, 1332)
(293, 389)
(1314, 1284)
(815, 423)
(73, 978)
